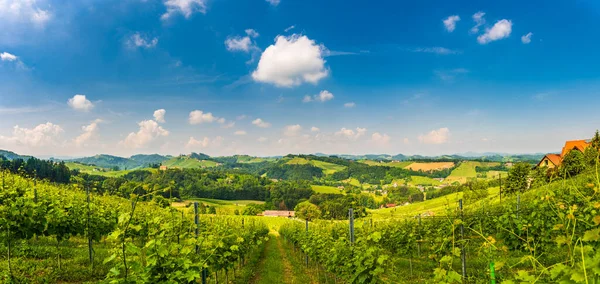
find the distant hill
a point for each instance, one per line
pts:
(108, 161)
(188, 162)
(12, 155)
(145, 160)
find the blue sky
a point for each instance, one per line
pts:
(275, 77)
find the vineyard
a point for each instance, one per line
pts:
(61, 234)
(65, 233)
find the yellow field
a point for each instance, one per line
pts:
(426, 167)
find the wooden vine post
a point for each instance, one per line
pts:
(463, 255)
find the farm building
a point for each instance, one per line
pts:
(163, 168)
(278, 213)
(554, 160)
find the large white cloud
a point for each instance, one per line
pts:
(437, 136)
(183, 7)
(450, 22)
(323, 96)
(148, 132)
(500, 30)
(90, 131)
(46, 134)
(291, 61)
(23, 12)
(199, 117)
(351, 134)
(137, 40)
(159, 115)
(261, 123)
(80, 103)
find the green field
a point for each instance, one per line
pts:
(93, 170)
(328, 168)
(223, 207)
(419, 180)
(327, 189)
(187, 163)
(397, 164)
(436, 206)
(466, 171)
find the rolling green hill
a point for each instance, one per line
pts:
(187, 163)
(328, 168)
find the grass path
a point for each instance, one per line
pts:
(277, 265)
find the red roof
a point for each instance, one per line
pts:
(574, 144)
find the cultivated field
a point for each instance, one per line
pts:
(328, 168)
(187, 162)
(427, 167)
(327, 189)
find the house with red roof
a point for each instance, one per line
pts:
(555, 160)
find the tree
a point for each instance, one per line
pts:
(573, 163)
(596, 141)
(253, 209)
(590, 157)
(307, 211)
(518, 176)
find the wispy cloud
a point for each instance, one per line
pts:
(450, 75)
(436, 49)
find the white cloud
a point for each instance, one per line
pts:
(239, 43)
(262, 139)
(323, 96)
(436, 49)
(23, 11)
(90, 131)
(184, 7)
(252, 33)
(137, 40)
(351, 134)
(5, 56)
(149, 131)
(380, 139)
(198, 117)
(261, 123)
(479, 21)
(274, 2)
(526, 39)
(500, 30)
(46, 134)
(438, 136)
(206, 142)
(240, 133)
(80, 103)
(406, 141)
(291, 61)
(292, 130)
(228, 125)
(159, 115)
(349, 105)
(289, 28)
(450, 22)
(315, 129)
(241, 117)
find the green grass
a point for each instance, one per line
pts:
(427, 181)
(327, 189)
(328, 168)
(397, 164)
(187, 163)
(223, 207)
(466, 171)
